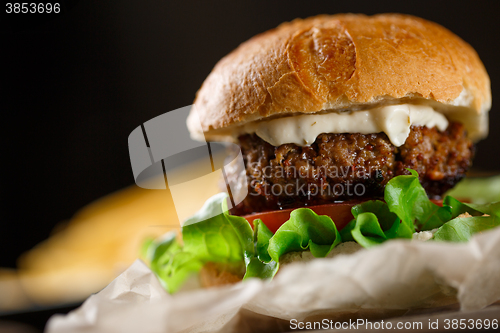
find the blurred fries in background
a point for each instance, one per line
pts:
(94, 247)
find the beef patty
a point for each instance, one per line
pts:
(349, 166)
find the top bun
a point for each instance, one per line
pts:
(343, 62)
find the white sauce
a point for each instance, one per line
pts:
(424, 236)
(393, 120)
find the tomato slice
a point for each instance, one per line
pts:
(340, 213)
(439, 202)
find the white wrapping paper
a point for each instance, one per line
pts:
(388, 279)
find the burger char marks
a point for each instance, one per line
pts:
(349, 166)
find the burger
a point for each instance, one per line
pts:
(351, 129)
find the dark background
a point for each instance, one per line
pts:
(75, 84)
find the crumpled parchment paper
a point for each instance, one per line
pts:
(388, 279)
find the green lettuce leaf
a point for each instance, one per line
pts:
(373, 224)
(211, 235)
(367, 231)
(170, 263)
(458, 207)
(261, 265)
(304, 230)
(346, 232)
(380, 209)
(262, 235)
(215, 236)
(490, 209)
(461, 229)
(406, 197)
(258, 269)
(156, 248)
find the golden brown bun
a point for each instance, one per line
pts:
(340, 62)
(213, 275)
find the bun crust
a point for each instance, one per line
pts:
(339, 62)
(214, 275)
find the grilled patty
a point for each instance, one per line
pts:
(349, 166)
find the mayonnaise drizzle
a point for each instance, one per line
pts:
(393, 120)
